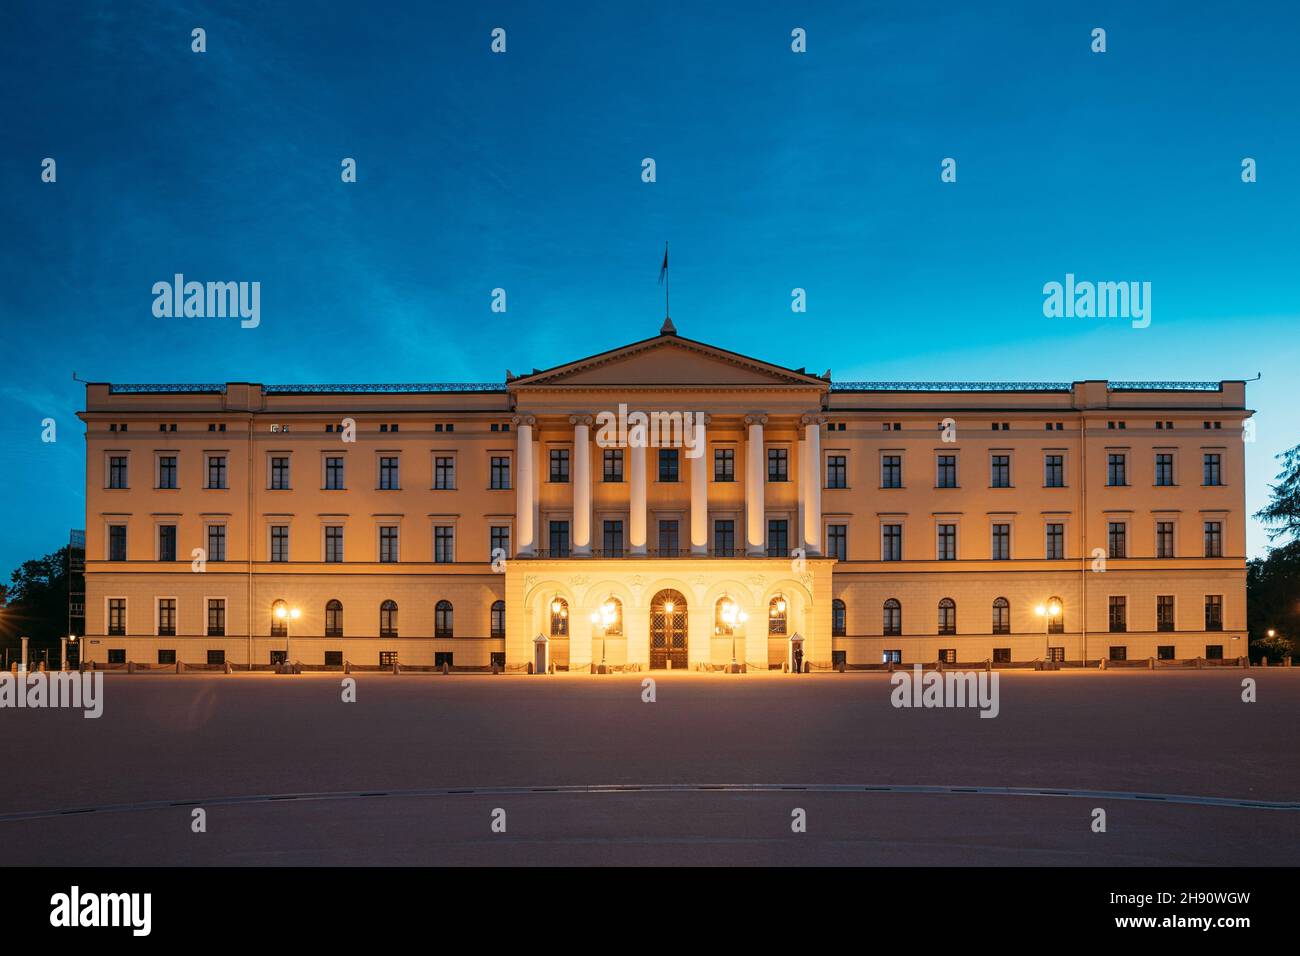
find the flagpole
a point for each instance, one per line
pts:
(667, 281)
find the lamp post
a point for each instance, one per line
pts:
(286, 614)
(602, 619)
(733, 616)
(1047, 612)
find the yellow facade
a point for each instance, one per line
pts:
(841, 499)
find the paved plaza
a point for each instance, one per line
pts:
(414, 770)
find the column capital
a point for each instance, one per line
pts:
(812, 419)
(523, 420)
(581, 420)
(758, 418)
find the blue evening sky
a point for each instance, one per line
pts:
(522, 171)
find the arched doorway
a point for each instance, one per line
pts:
(668, 630)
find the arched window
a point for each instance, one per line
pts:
(776, 615)
(442, 619)
(1056, 624)
(498, 618)
(615, 629)
(1001, 616)
(388, 619)
(893, 624)
(839, 619)
(334, 619)
(720, 614)
(947, 616)
(559, 617)
(279, 618)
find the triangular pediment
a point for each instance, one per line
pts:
(667, 360)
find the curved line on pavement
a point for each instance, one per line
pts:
(1168, 798)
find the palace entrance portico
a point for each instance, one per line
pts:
(647, 635)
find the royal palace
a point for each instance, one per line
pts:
(664, 504)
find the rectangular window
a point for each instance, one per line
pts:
(1117, 539)
(1118, 614)
(668, 464)
(500, 472)
(388, 544)
(1165, 652)
(117, 542)
(280, 542)
(1119, 653)
(1214, 612)
(280, 473)
(334, 544)
(167, 471)
(724, 464)
(1001, 655)
(216, 617)
(117, 617)
(837, 541)
(387, 658)
(166, 656)
(166, 617)
(1056, 654)
(333, 658)
(1053, 471)
(891, 471)
(1214, 539)
(216, 471)
(1164, 612)
(117, 655)
(444, 544)
(1214, 652)
(444, 473)
(1164, 469)
(778, 464)
(1000, 471)
(560, 465)
(1212, 469)
(613, 472)
(946, 548)
(167, 542)
(837, 471)
(891, 656)
(216, 542)
(1001, 542)
(946, 474)
(891, 542)
(499, 541)
(1164, 539)
(1116, 469)
(117, 471)
(778, 538)
(948, 655)
(669, 537)
(1055, 550)
(612, 540)
(724, 538)
(390, 476)
(217, 657)
(334, 473)
(559, 539)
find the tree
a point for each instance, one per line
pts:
(35, 603)
(1273, 581)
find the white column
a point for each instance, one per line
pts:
(22, 669)
(755, 487)
(581, 483)
(811, 492)
(525, 529)
(700, 492)
(636, 506)
(801, 529)
(63, 653)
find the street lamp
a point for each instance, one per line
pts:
(1272, 633)
(1047, 612)
(286, 614)
(733, 615)
(602, 619)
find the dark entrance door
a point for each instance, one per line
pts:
(667, 630)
